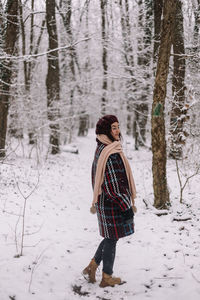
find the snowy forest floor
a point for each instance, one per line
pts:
(161, 261)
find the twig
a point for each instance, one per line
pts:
(11, 213)
(36, 265)
(29, 56)
(24, 210)
(146, 204)
(168, 277)
(34, 232)
(16, 225)
(181, 219)
(195, 278)
(32, 246)
(159, 214)
(182, 186)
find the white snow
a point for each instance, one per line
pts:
(161, 261)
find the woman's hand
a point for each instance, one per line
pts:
(134, 208)
(93, 209)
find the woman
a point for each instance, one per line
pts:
(114, 193)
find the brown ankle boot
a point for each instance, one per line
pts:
(108, 280)
(90, 270)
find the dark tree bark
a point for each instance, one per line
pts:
(104, 56)
(15, 123)
(161, 194)
(9, 31)
(65, 10)
(52, 80)
(179, 110)
(84, 117)
(158, 9)
(197, 24)
(129, 61)
(29, 66)
(70, 65)
(66, 4)
(144, 60)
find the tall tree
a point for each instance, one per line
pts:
(179, 109)
(84, 117)
(158, 9)
(129, 62)
(70, 66)
(103, 4)
(144, 57)
(161, 194)
(27, 65)
(197, 24)
(8, 33)
(52, 79)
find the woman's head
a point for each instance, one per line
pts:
(109, 125)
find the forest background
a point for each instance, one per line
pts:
(66, 63)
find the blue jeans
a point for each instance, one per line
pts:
(106, 252)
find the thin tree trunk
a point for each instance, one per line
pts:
(129, 60)
(178, 111)
(9, 31)
(52, 80)
(84, 117)
(161, 194)
(197, 24)
(23, 36)
(15, 122)
(65, 10)
(72, 63)
(144, 60)
(104, 56)
(158, 9)
(27, 65)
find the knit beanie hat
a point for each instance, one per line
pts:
(103, 126)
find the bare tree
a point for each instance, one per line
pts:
(70, 66)
(8, 32)
(52, 79)
(84, 117)
(28, 66)
(103, 4)
(158, 10)
(179, 109)
(161, 194)
(197, 24)
(144, 57)
(129, 62)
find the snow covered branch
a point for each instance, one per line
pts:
(28, 57)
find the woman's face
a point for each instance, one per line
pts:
(115, 131)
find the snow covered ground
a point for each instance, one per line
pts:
(161, 261)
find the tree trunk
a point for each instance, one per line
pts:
(9, 31)
(104, 56)
(129, 62)
(144, 60)
(197, 24)
(83, 124)
(161, 194)
(52, 80)
(179, 110)
(158, 9)
(27, 66)
(71, 64)
(15, 123)
(84, 117)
